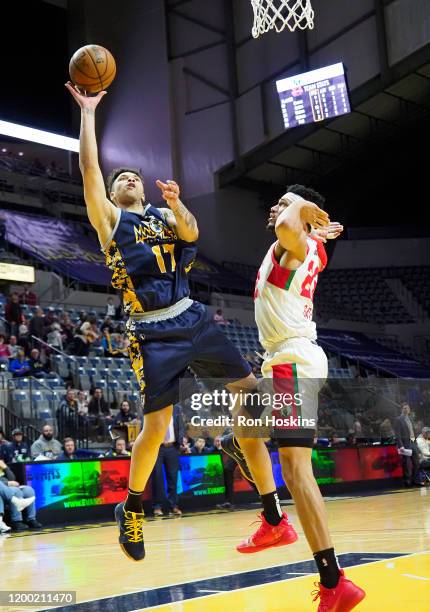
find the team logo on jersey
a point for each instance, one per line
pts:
(156, 226)
(153, 230)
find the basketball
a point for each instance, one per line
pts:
(92, 68)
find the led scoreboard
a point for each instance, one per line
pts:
(314, 96)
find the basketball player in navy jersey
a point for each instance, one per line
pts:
(150, 252)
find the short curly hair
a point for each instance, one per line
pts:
(115, 174)
(307, 194)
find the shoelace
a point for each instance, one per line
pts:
(134, 528)
(317, 594)
(259, 530)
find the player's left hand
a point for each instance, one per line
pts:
(331, 232)
(170, 192)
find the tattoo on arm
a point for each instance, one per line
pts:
(184, 222)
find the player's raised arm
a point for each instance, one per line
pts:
(101, 212)
(177, 215)
(291, 224)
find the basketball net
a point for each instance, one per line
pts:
(279, 14)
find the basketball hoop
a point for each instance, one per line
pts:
(279, 14)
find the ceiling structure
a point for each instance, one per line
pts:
(381, 110)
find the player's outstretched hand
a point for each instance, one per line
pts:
(84, 101)
(332, 231)
(170, 191)
(315, 216)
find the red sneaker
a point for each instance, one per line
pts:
(268, 536)
(344, 597)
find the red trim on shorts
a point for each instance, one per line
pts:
(284, 381)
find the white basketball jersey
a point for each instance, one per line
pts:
(284, 298)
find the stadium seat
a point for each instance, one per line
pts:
(114, 387)
(22, 383)
(102, 384)
(82, 361)
(97, 350)
(21, 404)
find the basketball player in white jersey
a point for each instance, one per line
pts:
(284, 293)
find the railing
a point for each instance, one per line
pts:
(68, 357)
(9, 421)
(33, 384)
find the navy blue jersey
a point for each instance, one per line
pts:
(150, 264)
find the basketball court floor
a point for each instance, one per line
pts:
(192, 565)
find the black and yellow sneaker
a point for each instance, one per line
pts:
(130, 532)
(231, 447)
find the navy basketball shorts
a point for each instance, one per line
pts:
(161, 351)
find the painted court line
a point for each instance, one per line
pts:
(415, 577)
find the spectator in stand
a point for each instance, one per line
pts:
(49, 320)
(119, 311)
(80, 345)
(119, 449)
(46, 447)
(28, 297)
(407, 447)
(3, 440)
(67, 329)
(55, 337)
(83, 317)
(37, 324)
(110, 308)
(185, 447)
(4, 447)
(37, 368)
(209, 441)
(99, 412)
(4, 350)
(107, 324)
(13, 313)
(20, 366)
(125, 414)
(23, 336)
(386, 432)
(7, 497)
(82, 403)
(123, 344)
(14, 347)
(18, 450)
(219, 318)
(108, 343)
(21, 492)
(423, 443)
(199, 447)
(67, 415)
(187, 439)
(69, 450)
(23, 328)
